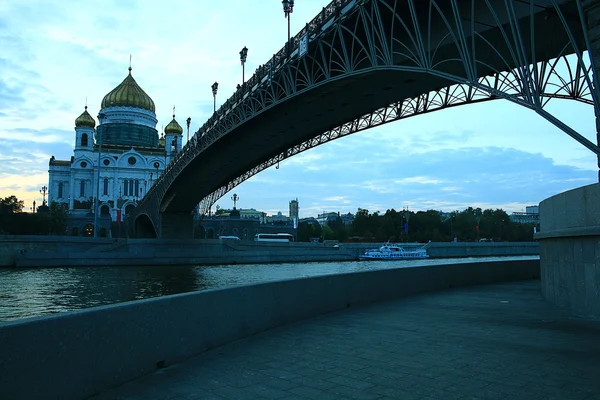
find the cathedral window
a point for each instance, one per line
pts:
(60, 190)
(82, 189)
(131, 192)
(137, 187)
(105, 191)
(84, 140)
(126, 187)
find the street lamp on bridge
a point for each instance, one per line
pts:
(243, 57)
(288, 9)
(215, 87)
(188, 122)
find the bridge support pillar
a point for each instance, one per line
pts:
(592, 11)
(177, 226)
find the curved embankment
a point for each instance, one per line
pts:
(78, 354)
(570, 250)
(64, 251)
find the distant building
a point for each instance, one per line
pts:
(347, 219)
(326, 217)
(294, 209)
(279, 218)
(111, 173)
(530, 216)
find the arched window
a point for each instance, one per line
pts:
(84, 140)
(125, 187)
(129, 208)
(131, 192)
(105, 192)
(60, 190)
(82, 188)
(104, 211)
(137, 187)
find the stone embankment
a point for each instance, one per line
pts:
(44, 251)
(79, 354)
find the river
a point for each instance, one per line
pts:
(34, 292)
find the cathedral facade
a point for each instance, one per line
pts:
(114, 162)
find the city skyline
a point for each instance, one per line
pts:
(58, 58)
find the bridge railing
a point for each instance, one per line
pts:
(264, 73)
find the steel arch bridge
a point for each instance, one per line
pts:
(364, 63)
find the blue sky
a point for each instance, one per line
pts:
(55, 54)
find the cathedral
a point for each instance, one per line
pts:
(114, 162)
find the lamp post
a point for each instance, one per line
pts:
(477, 220)
(43, 191)
(288, 9)
(215, 87)
(99, 130)
(188, 122)
(243, 57)
(406, 217)
(235, 199)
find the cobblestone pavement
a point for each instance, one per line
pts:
(498, 341)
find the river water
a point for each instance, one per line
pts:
(34, 292)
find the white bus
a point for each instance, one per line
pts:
(274, 237)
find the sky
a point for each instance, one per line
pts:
(57, 55)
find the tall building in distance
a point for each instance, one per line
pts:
(294, 209)
(115, 162)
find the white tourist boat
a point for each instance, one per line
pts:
(391, 251)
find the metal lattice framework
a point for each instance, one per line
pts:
(518, 50)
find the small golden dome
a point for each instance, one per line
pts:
(161, 141)
(128, 94)
(174, 127)
(85, 119)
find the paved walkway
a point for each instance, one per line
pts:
(488, 342)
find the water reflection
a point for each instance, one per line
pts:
(33, 292)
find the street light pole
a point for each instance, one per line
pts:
(99, 130)
(215, 87)
(288, 9)
(188, 122)
(243, 57)
(43, 191)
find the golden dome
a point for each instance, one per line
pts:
(161, 141)
(85, 119)
(174, 127)
(128, 94)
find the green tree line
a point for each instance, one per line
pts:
(468, 225)
(48, 220)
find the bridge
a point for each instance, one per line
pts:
(364, 63)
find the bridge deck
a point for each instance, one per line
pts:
(489, 342)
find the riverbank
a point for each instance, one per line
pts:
(67, 251)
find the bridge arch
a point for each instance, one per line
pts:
(144, 227)
(360, 64)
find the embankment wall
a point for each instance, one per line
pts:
(43, 251)
(570, 250)
(78, 354)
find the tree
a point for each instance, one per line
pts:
(11, 205)
(58, 218)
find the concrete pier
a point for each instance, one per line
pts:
(570, 250)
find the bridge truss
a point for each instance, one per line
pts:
(504, 85)
(357, 37)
